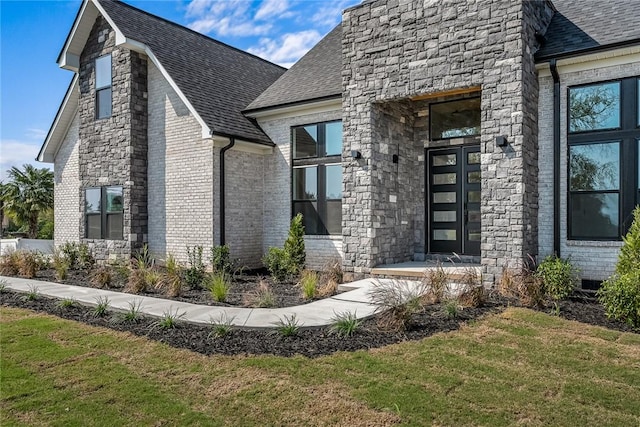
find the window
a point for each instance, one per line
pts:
(604, 154)
(317, 177)
(103, 87)
(455, 119)
(104, 212)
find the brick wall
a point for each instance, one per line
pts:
(596, 260)
(67, 213)
(277, 190)
(180, 174)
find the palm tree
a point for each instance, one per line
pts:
(29, 192)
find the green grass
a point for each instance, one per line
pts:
(519, 367)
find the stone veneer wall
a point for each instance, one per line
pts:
(180, 174)
(277, 190)
(67, 213)
(113, 150)
(394, 50)
(595, 259)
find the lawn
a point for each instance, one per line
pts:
(517, 367)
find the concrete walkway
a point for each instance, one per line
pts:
(317, 313)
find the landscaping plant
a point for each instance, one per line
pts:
(277, 262)
(102, 305)
(194, 274)
(288, 326)
(344, 324)
(172, 279)
(261, 297)
(60, 264)
(66, 303)
(134, 313)
(218, 285)
(559, 277)
(27, 264)
(398, 301)
(220, 259)
(221, 327)
(523, 285)
(436, 281)
(169, 319)
(33, 293)
(309, 284)
(294, 245)
(9, 263)
(101, 277)
(620, 293)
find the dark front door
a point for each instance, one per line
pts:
(453, 200)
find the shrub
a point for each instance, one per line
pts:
(620, 294)
(102, 305)
(70, 252)
(344, 324)
(219, 284)
(472, 296)
(220, 259)
(262, 297)
(144, 258)
(277, 262)
(78, 255)
(137, 281)
(194, 274)
(121, 271)
(152, 278)
(85, 257)
(172, 280)
(398, 301)
(101, 277)
(332, 271)
(288, 326)
(294, 245)
(27, 264)
(309, 284)
(60, 264)
(451, 309)
(327, 289)
(436, 281)
(9, 263)
(559, 277)
(523, 285)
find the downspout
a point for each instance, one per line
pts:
(223, 150)
(553, 66)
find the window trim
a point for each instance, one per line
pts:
(100, 89)
(626, 134)
(320, 163)
(103, 214)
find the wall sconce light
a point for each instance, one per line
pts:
(356, 154)
(501, 141)
(394, 159)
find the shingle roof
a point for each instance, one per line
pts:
(315, 76)
(217, 79)
(588, 24)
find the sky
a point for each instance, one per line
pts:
(32, 33)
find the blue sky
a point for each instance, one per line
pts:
(33, 32)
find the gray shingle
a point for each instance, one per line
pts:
(588, 24)
(315, 76)
(217, 79)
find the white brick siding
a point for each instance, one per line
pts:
(67, 212)
(596, 260)
(180, 173)
(277, 190)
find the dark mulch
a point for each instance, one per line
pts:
(308, 342)
(286, 294)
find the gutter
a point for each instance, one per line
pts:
(553, 67)
(223, 150)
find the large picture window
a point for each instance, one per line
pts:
(103, 87)
(604, 154)
(104, 212)
(455, 119)
(317, 176)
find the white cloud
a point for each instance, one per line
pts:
(226, 18)
(17, 153)
(288, 48)
(271, 8)
(38, 134)
(330, 13)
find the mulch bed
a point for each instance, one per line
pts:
(308, 342)
(286, 294)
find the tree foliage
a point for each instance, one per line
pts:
(28, 194)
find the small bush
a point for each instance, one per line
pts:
(60, 264)
(172, 279)
(398, 301)
(222, 327)
(70, 252)
(451, 309)
(169, 319)
(559, 277)
(220, 259)
(78, 255)
(344, 324)
(309, 284)
(294, 245)
(134, 313)
(523, 285)
(120, 272)
(332, 271)
(327, 289)
(277, 262)
(218, 285)
(101, 277)
(102, 305)
(472, 296)
(262, 297)
(137, 281)
(620, 294)
(195, 273)
(288, 326)
(9, 264)
(85, 257)
(27, 264)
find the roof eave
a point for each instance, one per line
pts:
(589, 50)
(261, 111)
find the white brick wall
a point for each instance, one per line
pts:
(596, 260)
(67, 212)
(277, 186)
(180, 173)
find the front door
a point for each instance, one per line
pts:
(453, 200)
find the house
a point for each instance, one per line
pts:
(494, 130)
